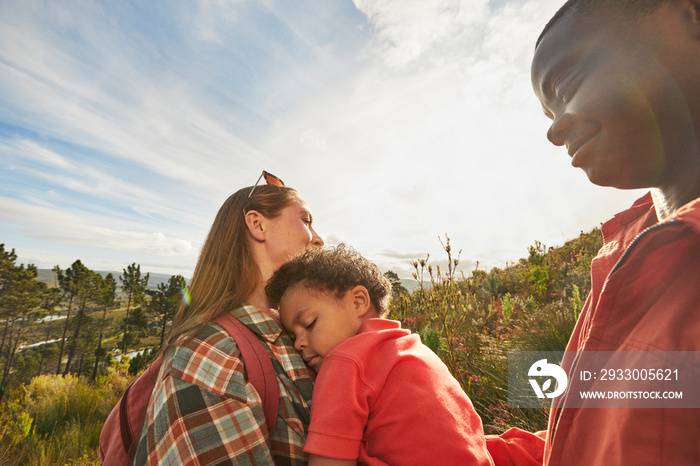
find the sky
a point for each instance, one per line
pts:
(124, 125)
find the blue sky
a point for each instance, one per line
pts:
(124, 125)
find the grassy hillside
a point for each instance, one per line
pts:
(471, 322)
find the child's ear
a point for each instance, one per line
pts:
(361, 301)
(256, 224)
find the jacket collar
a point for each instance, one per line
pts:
(260, 323)
(689, 214)
(642, 207)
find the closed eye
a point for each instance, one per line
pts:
(306, 217)
(569, 90)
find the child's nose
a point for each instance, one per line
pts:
(559, 129)
(299, 344)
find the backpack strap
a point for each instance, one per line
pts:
(258, 366)
(124, 427)
(132, 413)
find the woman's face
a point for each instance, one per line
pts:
(291, 233)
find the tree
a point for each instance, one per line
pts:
(107, 299)
(7, 269)
(51, 301)
(539, 273)
(23, 306)
(68, 282)
(138, 322)
(397, 287)
(492, 285)
(135, 288)
(165, 300)
(88, 292)
(21, 297)
(65, 283)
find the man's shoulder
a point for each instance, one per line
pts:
(689, 214)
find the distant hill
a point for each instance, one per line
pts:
(409, 283)
(47, 276)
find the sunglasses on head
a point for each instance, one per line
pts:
(270, 179)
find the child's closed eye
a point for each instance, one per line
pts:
(567, 87)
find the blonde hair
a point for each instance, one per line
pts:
(226, 272)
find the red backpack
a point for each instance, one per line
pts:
(122, 430)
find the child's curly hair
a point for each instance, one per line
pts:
(334, 270)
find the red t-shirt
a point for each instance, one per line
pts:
(382, 397)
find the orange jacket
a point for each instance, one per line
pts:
(645, 296)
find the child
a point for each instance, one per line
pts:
(381, 396)
(620, 80)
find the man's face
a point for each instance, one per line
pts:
(606, 83)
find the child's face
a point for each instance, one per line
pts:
(612, 87)
(317, 321)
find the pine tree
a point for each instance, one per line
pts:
(135, 288)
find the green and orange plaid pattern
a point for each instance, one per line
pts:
(203, 411)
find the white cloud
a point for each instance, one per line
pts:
(79, 178)
(64, 226)
(31, 150)
(117, 105)
(407, 30)
(459, 148)
(313, 138)
(417, 123)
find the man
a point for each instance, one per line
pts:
(620, 80)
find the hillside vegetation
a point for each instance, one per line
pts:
(60, 345)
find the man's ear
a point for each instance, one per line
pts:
(361, 300)
(256, 223)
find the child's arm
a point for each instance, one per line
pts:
(315, 460)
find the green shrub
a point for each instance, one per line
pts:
(472, 323)
(58, 419)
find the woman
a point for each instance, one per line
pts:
(202, 411)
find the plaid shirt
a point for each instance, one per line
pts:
(203, 410)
